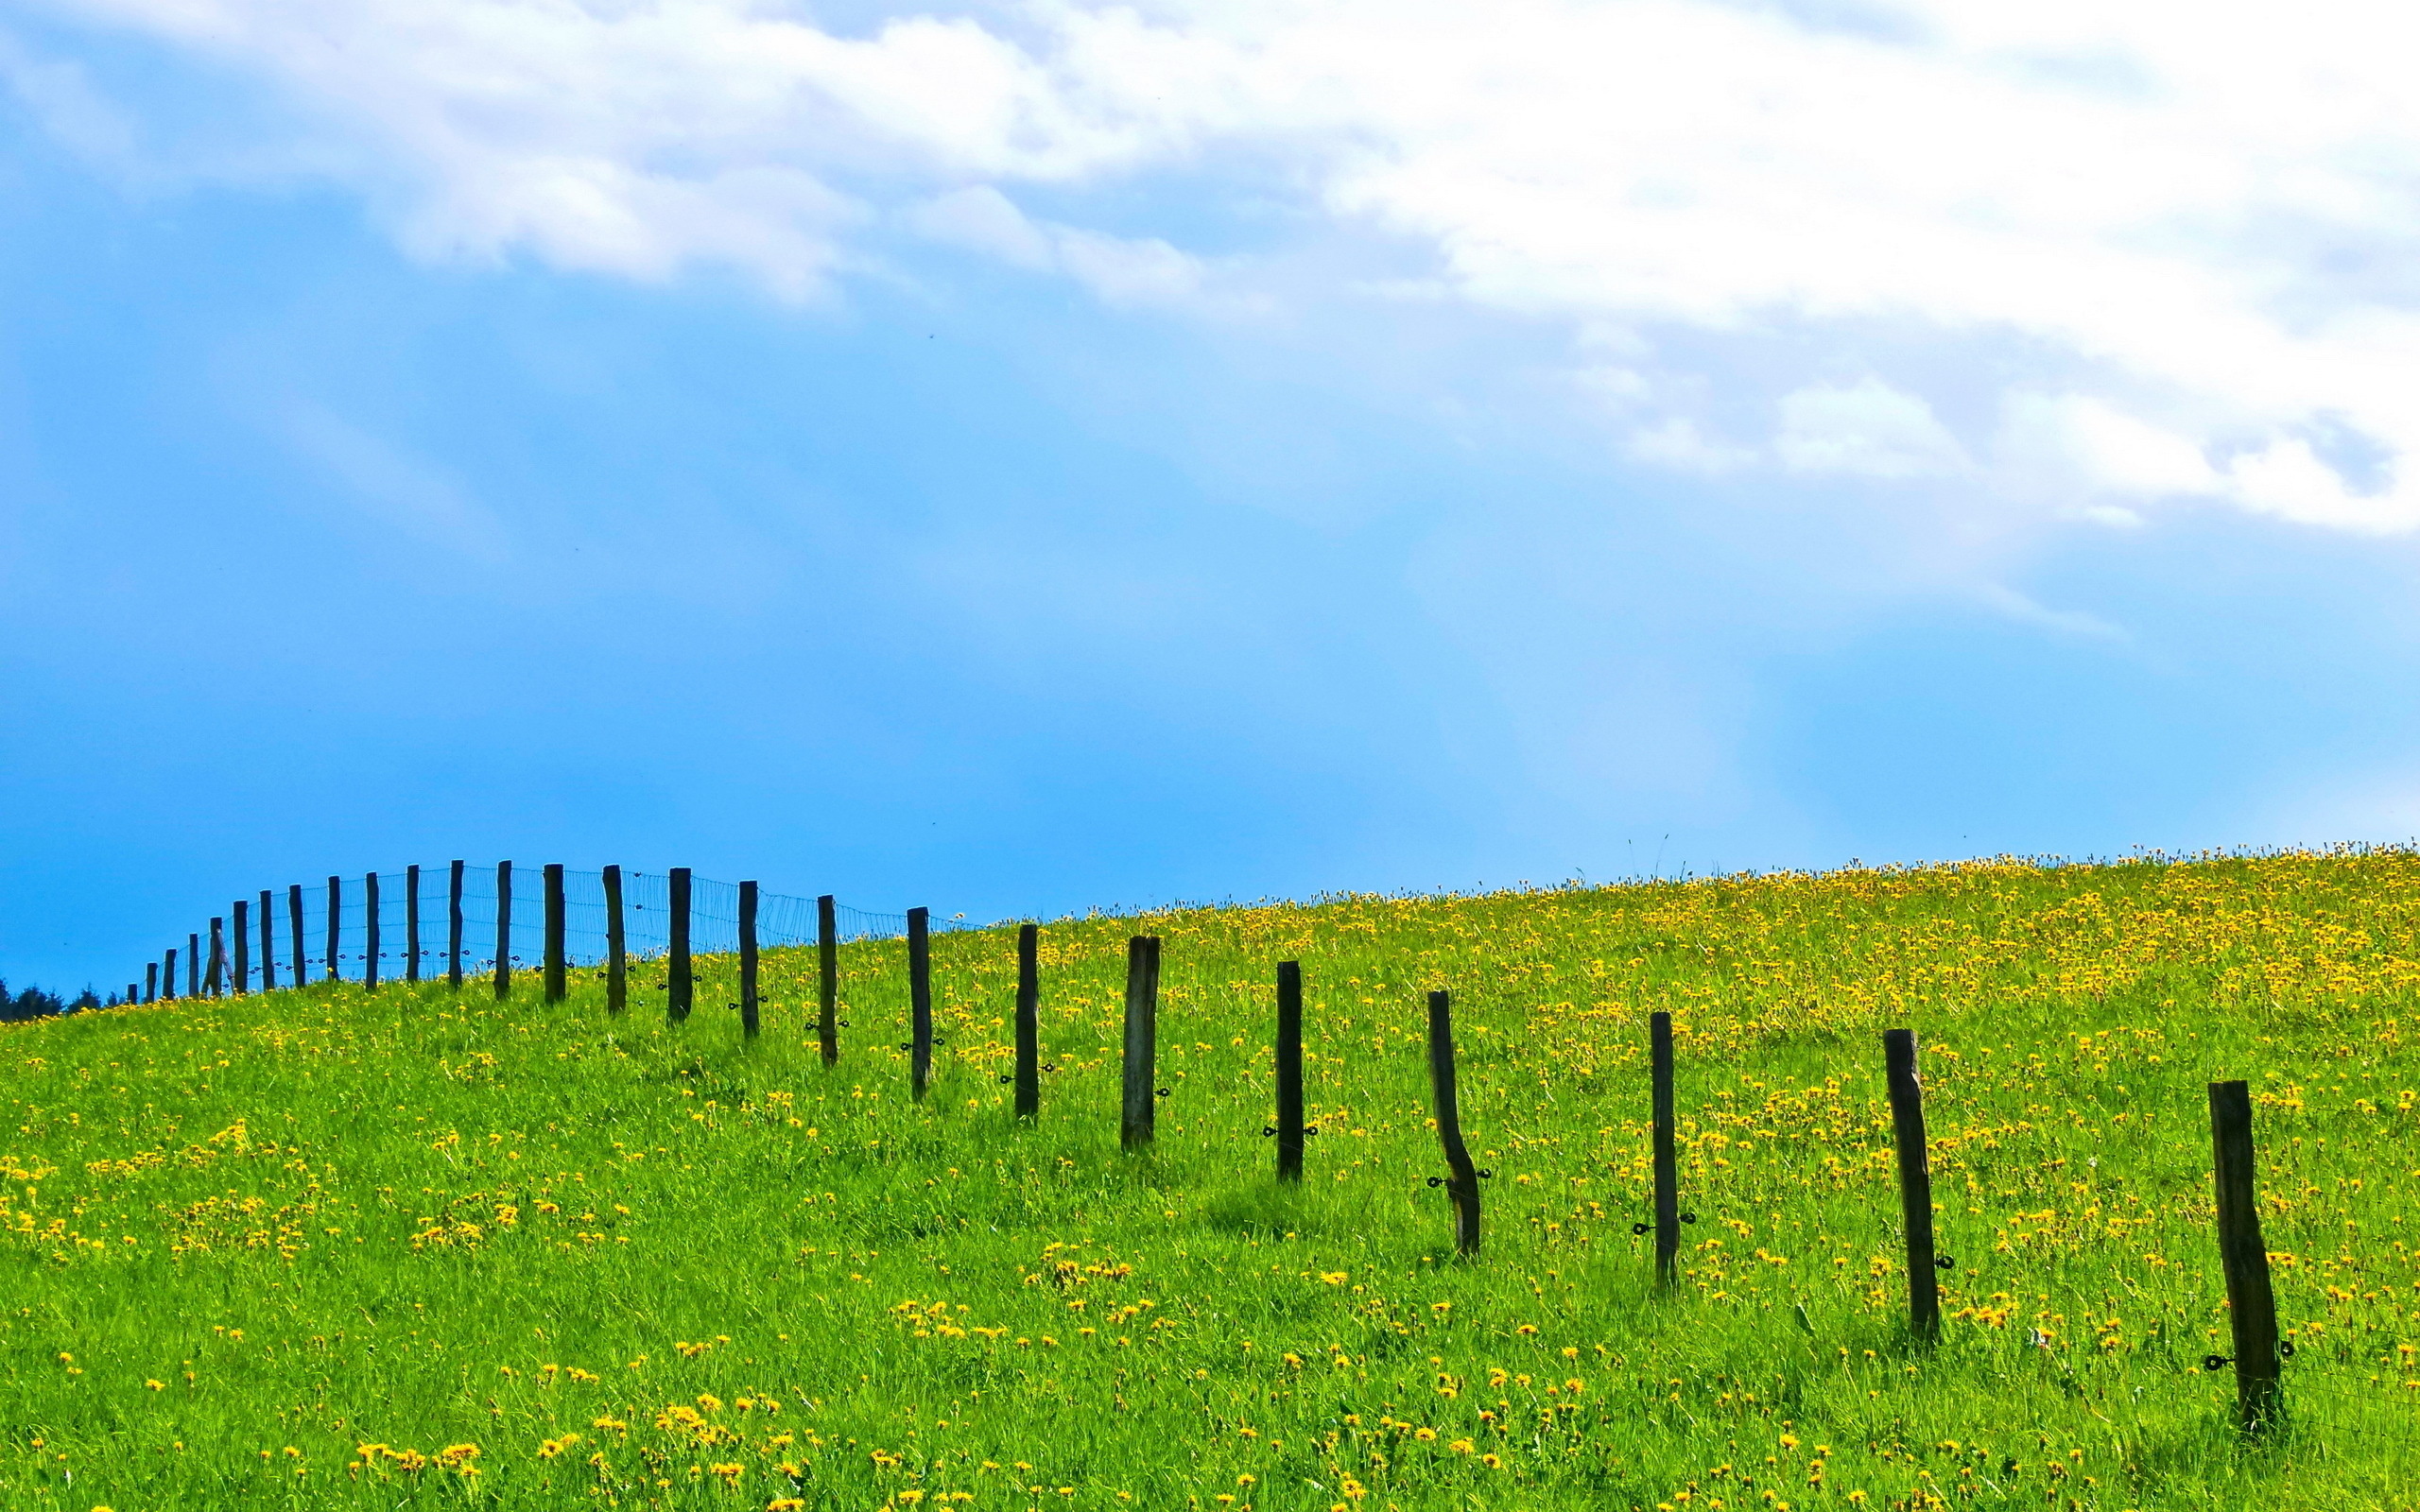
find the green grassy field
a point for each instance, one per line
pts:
(327, 1247)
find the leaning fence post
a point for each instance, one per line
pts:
(411, 923)
(1668, 1176)
(1915, 1181)
(555, 988)
(370, 931)
(618, 980)
(336, 919)
(454, 927)
(217, 958)
(294, 922)
(193, 966)
(2252, 1306)
(503, 929)
(920, 1002)
(268, 940)
(1462, 1186)
(748, 960)
(240, 977)
(1137, 1124)
(678, 985)
(1028, 1022)
(827, 951)
(1289, 1071)
(151, 982)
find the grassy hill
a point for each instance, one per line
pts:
(328, 1247)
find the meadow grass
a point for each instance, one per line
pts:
(332, 1247)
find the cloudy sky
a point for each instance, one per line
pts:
(1019, 457)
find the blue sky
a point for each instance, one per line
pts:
(1023, 458)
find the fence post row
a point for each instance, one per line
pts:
(1028, 1077)
(1668, 1175)
(268, 940)
(555, 988)
(217, 985)
(2252, 1306)
(370, 931)
(920, 1002)
(1138, 1120)
(616, 968)
(1915, 1181)
(748, 960)
(1289, 1071)
(827, 952)
(240, 976)
(411, 923)
(502, 930)
(453, 926)
(677, 980)
(1462, 1185)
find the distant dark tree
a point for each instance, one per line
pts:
(33, 1003)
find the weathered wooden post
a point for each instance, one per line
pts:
(1462, 1185)
(151, 982)
(169, 977)
(1667, 1177)
(193, 966)
(1028, 1028)
(1289, 1071)
(336, 920)
(827, 953)
(370, 951)
(617, 978)
(2252, 1306)
(411, 923)
(556, 987)
(748, 960)
(678, 985)
(454, 927)
(294, 923)
(920, 1002)
(216, 984)
(1138, 1112)
(268, 940)
(132, 989)
(240, 978)
(1915, 1181)
(502, 930)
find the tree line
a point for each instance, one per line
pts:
(33, 1003)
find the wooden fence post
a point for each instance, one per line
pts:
(1289, 1071)
(1138, 1120)
(336, 919)
(1915, 1181)
(240, 976)
(370, 931)
(1028, 1073)
(556, 987)
(217, 985)
(454, 927)
(2252, 1306)
(294, 922)
(169, 977)
(1462, 1186)
(193, 966)
(502, 930)
(268, 940)
(827, 951)
(617, 978)
(151, 982)
(411, 923)
(678, 985)
(920, 1002)
(1667, 1174)
(748, 960)
(132, 989)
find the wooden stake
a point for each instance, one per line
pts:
(1138, 1121)
(241, 977)
(2252, 1306)
(216, 984)
(502, 930)
(1668, 1176)
(151, 982)
(193, 966)
(1915, 1181)
(678, 987)
(336, 920)
(920, 1002)
(748, 960)
(1462, 1186)
(294, 931)
(556, 987)
(1289, 1071)
(169, 977)
(411, 923)
(827, 950)
(618, 971)
(268, 940)
(370, 951)
(1028, 1073)
(454, 927)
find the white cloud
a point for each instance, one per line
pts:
(2166, 240)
